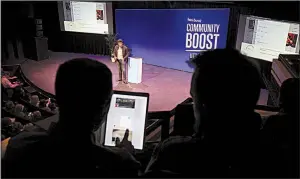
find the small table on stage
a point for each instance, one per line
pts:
(135, 69)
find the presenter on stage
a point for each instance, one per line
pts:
(121, 54)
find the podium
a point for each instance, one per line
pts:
(135, 68)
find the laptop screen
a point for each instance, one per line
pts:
(127, 111)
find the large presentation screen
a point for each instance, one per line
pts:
(170, 37)
(85, 17)
(265, 39)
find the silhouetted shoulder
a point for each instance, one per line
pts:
(20, 149)
(24, 141)
(278, 121)
(175, 154)
(30, 148)
(175, 142)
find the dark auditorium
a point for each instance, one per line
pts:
(94, 89)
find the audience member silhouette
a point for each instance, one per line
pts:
(3, 137)
(6, 121)
(225, 88)
(34, 100)
(37, 116)
(67, 149)
(19, 110)
(16, 128)
(280, 134)
(10, 106)
(44, 105)
(10, 89)
(9, 127)
(6, 83)
(53, 108)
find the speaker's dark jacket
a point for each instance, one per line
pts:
(125, 52)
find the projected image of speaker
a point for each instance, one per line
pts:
(291, 40)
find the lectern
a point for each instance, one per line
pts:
(135, 68)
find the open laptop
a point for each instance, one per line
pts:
(128, 110)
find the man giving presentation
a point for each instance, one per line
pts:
(121, 54)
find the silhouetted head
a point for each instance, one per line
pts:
(34, 100)
(83, 91)
(37, 115)
(17, 127)
(9, 105)
(120, 42)
(52, 106)
(289, 95)
(6, 121)
(19, 108)
(4, 74)
(224, 82)
(43, 103)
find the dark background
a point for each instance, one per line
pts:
(17, 27)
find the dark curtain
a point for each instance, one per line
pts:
(12, 15)
(84, 43)
(276, 10)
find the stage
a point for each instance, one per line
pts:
(167, 87)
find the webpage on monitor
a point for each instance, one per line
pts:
(126, 112)
(265, 39)
(85, 17)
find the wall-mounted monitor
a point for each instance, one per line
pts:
(86, 17)
(265, 39)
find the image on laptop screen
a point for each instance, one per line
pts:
(127, 111)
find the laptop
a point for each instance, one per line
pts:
(128, 110)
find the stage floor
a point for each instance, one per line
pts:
(166, 87)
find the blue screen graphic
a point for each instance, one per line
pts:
(170, 37)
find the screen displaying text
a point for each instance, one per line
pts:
(126, 112)
(171, 37)
(265, 39)
(85, 17)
